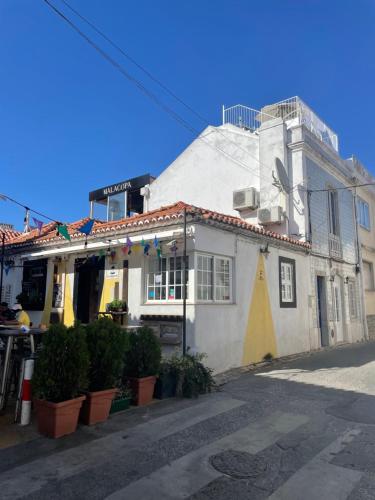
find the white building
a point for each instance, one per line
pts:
(273, 260)
(287, 162)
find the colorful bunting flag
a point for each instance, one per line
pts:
(63, 231)
(101, 253)
(136, 248)
(143, 242)
(158, 251)
(39, 224)
(146, 249)
(87, 227)
(156, 242)
(174, 248)
(129, 245)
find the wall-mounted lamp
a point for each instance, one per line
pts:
(346, 280)
(264, 249)
(332, 277)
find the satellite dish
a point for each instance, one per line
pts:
(282, 176)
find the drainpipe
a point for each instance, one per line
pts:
(184, 289)
(309, 215)
(2, 265)
(359, 265)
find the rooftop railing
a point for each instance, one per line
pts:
(293, 111)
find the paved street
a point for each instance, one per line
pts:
(302, 429)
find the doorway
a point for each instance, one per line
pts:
(89, 277)
(338, 309)
(322, 310)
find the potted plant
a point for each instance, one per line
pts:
(60, 375)
(116, 305)
(166, 382)
(122, 399)
(142, 363)
(106, 343)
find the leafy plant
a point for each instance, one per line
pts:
(144, 354)
(117, 305)
(123, 391)
(268, 357)
(193, 377)
(61, 368)
(106, 343)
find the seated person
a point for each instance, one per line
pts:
(21, 317)
(6, 314)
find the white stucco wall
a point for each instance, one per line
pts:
(205, 177)
(220, 328)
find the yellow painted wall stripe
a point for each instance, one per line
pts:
(260, 333)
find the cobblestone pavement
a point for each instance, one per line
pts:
(297, 429)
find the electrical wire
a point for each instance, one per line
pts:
(6, 197)
(153, 78)
(147, 92)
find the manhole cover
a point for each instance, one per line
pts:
(238, 464)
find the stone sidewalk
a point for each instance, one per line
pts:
(297, 429)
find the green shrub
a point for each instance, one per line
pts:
(193, 377)
(144, 354)
(106, 343)
(62, 365)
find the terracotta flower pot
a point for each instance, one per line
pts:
(58, 419)
(142, 389)
(96, 407)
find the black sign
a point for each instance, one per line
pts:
(130, 185)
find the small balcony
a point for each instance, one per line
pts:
(334, 243)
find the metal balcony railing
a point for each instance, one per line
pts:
(335, 249)
(293, 111)
(244, 117)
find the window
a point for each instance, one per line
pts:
(352, 300)
(6, 294)
(368, 275)
(165, 278)
(214, 276)
(222, 279)
(34, 284)
(287, 282)
(333, 212)
(363, 214)
(205, 277)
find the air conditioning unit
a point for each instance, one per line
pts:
(273, 215)
(246, 199)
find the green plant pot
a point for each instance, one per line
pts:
(165, 386)
(120, 405)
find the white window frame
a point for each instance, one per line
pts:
(333, 212)
(213, 285)
(363, 213)
(371, 271)
(167, 299)
(287, 282)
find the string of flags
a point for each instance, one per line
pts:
(127, 249)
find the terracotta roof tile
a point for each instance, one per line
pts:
(10, 234)
(163, 214)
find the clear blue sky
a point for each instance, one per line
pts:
(70, 123)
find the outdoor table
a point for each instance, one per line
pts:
(8, 333)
